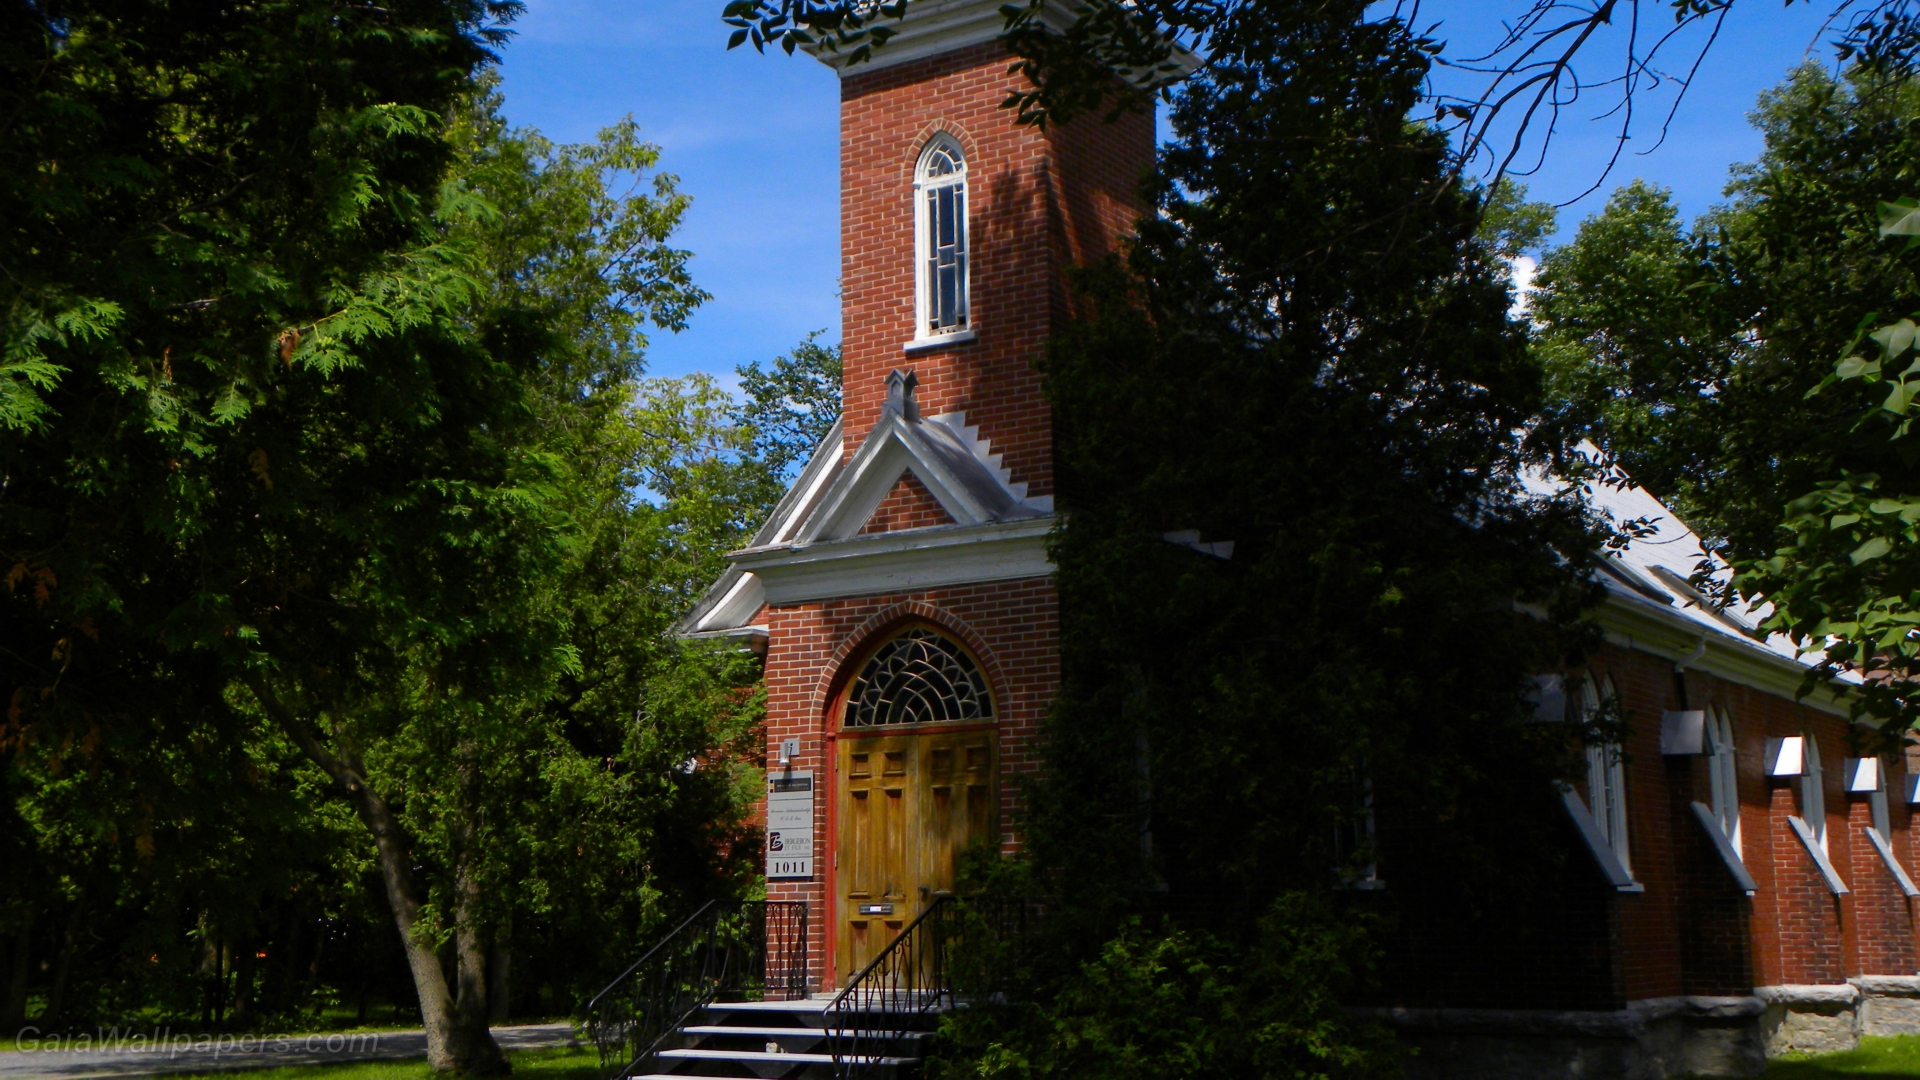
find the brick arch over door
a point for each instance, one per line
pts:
(882, 623)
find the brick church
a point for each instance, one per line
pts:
(1748, 874)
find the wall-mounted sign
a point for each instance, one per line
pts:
(790, 824)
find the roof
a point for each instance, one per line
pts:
(812, 548)
(1651, 604)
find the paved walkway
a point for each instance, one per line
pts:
(128, 1057)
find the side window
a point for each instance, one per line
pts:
(1353, 839)
(1813, 796)
(1877, 801)
(1606, 772)
(1724, 775)
(940, 225)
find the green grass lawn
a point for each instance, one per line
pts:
(566, 1063)
(1896, 1056)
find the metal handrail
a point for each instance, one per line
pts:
(884, 1001)
(756, 949)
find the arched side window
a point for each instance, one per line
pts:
(1606, 772)
(919, 677)
(941, 244)
(1877, 805)
(1724, 775)
(1813, 795)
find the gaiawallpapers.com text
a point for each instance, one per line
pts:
(167, 1041)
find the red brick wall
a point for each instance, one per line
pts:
(1883, 919)
(1693, 931)
(1012, 627)
(1040, 201)
(1681, 935)
(908, 506)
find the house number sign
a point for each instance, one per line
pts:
(790, 824)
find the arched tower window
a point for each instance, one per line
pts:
(940, 225)
(920, 677)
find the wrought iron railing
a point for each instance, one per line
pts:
(889, 999)
(956, 951)
(734, 950)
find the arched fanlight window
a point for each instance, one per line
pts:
(940, 225)
(1606, 772)
(920, 677)
(1723, 775)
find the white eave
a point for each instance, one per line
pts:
(899, 561)
(932, 27)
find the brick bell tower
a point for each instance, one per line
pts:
(901, 591)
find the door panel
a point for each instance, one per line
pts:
(909, 805)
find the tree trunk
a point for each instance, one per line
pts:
(63, 966)
(472, 961)
(499, 969)
(15, 1017)
(457, 1039)
(470, 952)
(243, 976)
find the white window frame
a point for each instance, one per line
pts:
(925, 189)
(1724, 775)
(1813, 795)
(1357, 834)
(1606, 776)
(1877, 803)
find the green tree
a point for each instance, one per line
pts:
(309, 360)
(1703, 359)
(793, 404)
(1308, 354)
(196, 212)
(412, 677)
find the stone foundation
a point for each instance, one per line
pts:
(1810, 1019)
(1648, 1040)
(1654, 1039)
(1889, 1004)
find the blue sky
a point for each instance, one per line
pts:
(753, 140)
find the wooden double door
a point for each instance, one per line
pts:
(909, 804)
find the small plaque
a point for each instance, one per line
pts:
(790, 825)
(876, 909)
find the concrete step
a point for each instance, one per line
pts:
(775, 1059)
(794, 1032)
(816, 1004)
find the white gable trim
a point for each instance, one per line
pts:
(730, 602)
(949, 469)
(821, 470)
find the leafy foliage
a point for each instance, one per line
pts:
(1702, 360)
(1172, 1002)
(793, 404)
(324, 420)
(1307, 353)
(1688, 353)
